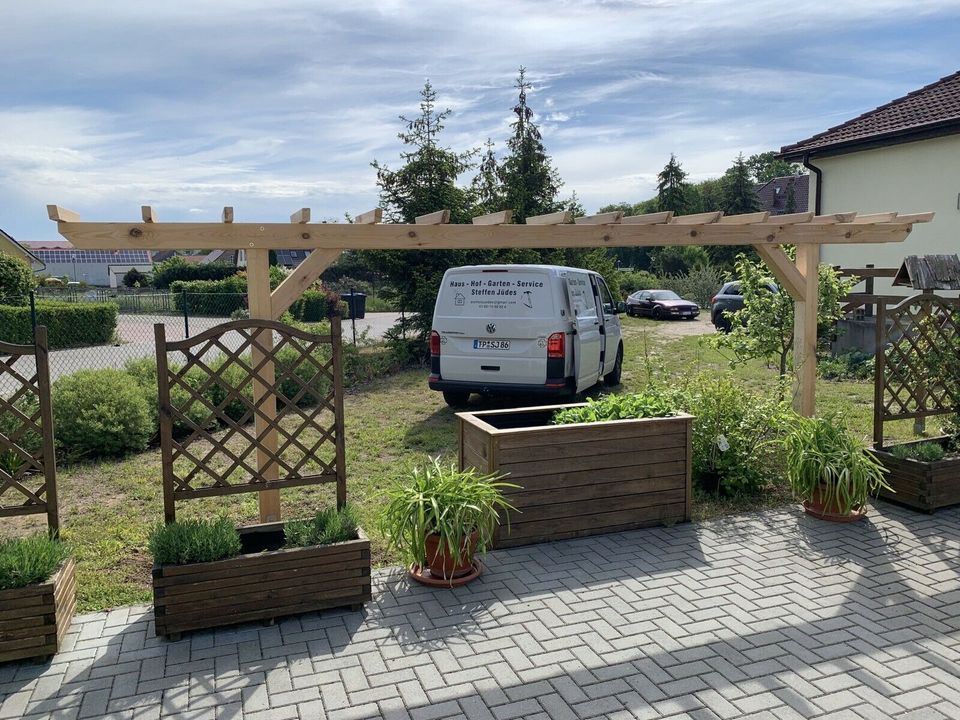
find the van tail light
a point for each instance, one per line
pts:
(434, 342)
(556, 345)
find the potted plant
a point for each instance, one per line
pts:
(440, 518)
(37, 596)
(830, 470)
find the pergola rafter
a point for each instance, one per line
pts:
(767, 234)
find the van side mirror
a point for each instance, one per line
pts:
(621, 307)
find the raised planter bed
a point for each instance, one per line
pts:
(919, 484)
(581, 479)
(34, 619)
(263, 583)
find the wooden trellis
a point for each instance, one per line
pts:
(767, 234)
(28, 467)
(210, 387)
(907, 382)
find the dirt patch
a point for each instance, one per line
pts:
(675, 328)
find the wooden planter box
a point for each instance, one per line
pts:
(922, 485)
(34, 619)
(262, 584)
(581, 479)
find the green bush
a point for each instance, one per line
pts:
(699, 284)
(193, 541)
(853, 365)
(100, 413)
(68, 324)
(317, 383)
(325, 528)
(29, 560)
(16, 279)
(220, 298)
(925, 452)
(618, 407)
(176, 268)
(630, 282)
(315, 305)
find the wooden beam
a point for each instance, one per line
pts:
(148, 214)
(790, 219)
(805, 331)
(503, 217)
(608, 218)
(697, 219)
(744, 219)
(227, 214)
(302, 277)
(657, 218)
(841, 217)
(558, 218)
(370, 217)
(440, 217)
(913, 218)
(301, 216)
(874, 218)
(783, 269)
(59, 214)
(259, 300)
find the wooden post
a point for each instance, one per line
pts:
(41, 351)
(261, 308)
(805, 331)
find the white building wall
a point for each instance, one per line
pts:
(912, 177)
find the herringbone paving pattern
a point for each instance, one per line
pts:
(770, 615)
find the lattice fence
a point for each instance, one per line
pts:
(28, 468)
(918, 360)
(224, 431)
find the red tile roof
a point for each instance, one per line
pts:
(934, 109)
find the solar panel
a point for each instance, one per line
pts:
(102, 257)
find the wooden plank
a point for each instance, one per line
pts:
(227, 215)
(688, 501)
(885, 217)
(440, 217)
(59, 214)
(572, 479)
(301, 216)
(790, 218)
(48, 442)
(591, 524)
(518, 471)
(558, 218)
(370, 217)
(833, 218)
(645, 446)
(745, 218)
(588, 432)
(565, 513)
(557, 494)
(697, 218)
(657, 218)
(338, 413)
(805, 331)
(783, 269)
(912, 218)
(215, 592)
(299, 279)
(502, 217)
(607, 218)
(257, 565)
(148, 214)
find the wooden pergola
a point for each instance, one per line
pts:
(767, 234)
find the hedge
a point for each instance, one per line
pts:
(315, 305)
(68, 324)
(211, 297)
(177, 269)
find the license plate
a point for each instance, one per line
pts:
(491, 344)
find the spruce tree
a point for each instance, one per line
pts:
(486, 187)
(672, 189)
(739, 192)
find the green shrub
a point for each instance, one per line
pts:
(618, 407)
(29, 560)
(220, 298)
(315, 305)
(176, 268)
(68, 324)
(192, 541)
(698, 284)
(925, 452)
(325, 528)
(378, 303)
(100, 413)
(16, 279)
(630, 282)
(317, 383)
(852, 365)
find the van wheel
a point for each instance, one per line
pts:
(613, 377)
(455, 398)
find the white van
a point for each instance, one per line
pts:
(518, 329)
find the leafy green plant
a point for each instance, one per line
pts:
(446, 501)
(648, 404)
(16, 278)
(191, 541)
(853, 365)
(925, 452)
(328, 526)
(69, 324)
(29, 560)
(824, 459)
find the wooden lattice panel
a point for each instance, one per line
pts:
(912, 379)
(224, 430)
(27, 458)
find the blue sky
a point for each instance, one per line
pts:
(189, 105)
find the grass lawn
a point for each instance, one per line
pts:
(393, 423)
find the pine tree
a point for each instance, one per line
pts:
(739, 192)
(672, 190)
(486, 187)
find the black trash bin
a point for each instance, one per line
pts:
(357, 302)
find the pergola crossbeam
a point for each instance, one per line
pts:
(441, 217)
(371, 217)
(502, 217)
(607, 218)
(558, 218)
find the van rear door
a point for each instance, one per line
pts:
(587, 339)
(494, 323)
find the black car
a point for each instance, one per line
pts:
(660, 305)
(728, 300)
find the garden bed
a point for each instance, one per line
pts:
(263, 583)
(34, 619)
(584, 478)
(921, 484)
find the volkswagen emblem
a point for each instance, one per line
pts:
(491, 328)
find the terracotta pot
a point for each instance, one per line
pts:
(442, 565)
(818, 508)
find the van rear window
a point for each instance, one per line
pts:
(501, 294)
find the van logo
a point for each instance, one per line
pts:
(491, 328)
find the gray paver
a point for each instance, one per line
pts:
(766, 615)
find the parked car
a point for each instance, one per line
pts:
(523, 329)
(728, 300)
(660, 305)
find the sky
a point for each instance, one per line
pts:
(190, 105)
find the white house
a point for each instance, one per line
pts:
(903, 156)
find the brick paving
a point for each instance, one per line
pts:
(767, 615)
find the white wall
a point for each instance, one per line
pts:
(912, 177)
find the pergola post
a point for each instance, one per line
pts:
(805, 331)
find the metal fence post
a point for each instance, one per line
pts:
(186, 313)
(33, 312)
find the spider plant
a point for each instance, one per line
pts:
(444, 500)
(826, 461)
